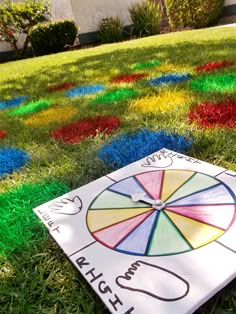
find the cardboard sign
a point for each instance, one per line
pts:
(155, 236)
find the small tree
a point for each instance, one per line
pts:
(18, 18)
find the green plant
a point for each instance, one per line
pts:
(193, 13)
(38, 278)
(145, 17)
(52, 37)
(110, 30)
(18, 18)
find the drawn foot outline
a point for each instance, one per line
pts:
(176, 286)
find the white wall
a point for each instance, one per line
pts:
(230, 2)
(89, 13)
(61, 9)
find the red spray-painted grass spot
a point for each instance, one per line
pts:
(215, 65)
(75, 132)
(56, 88)
(208, 115)
(3, 134)
(127, 78)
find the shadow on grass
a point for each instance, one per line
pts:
(41, 280)
(85, 69)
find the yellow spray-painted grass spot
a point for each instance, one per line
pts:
(51, 115)
(164, 101)
(169, 68)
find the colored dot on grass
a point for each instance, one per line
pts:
(85, 90)
(12, 159)
(214, 65)
(146, 65)
(128, 148)
(75, 132)
(30, 108)
(215, 83)
(127, 78)
(113, 96)
(162, 102)
(170, 68)
(19, 225)
(3, 134)
(169, 79)
(51, 115)
(210, 115)
(59, 87)
(13, 102)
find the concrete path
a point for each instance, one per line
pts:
(227, 25)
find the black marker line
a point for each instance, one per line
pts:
(141, 185)
(192, 194)
(82, 248)
(185, 182)
(153, 160)
(226, 247)
(220, 173)
(231, 175)
(131, 272)
(111, 179)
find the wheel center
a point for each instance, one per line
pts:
(142, 197)
(158, 204)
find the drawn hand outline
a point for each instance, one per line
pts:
(158, 161)
(66, 206)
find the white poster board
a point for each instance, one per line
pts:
(155, 236)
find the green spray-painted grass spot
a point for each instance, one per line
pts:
(215, 83)
(19, 224)
(30, 108)
(146, 65)
(115, 96)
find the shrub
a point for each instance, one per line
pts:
(193, 13)
(52, 37)
(110, 30)
(145, 17)
(18, 18)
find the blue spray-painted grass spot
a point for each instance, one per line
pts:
(13, 102)
(11, 159)
(128, 148)
(169, 79)
(84, 90)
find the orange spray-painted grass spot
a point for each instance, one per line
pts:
(51, 115)
(75, 132)
(163, 102)
(127, 78)
(214, 65)
(209, 115)
(3, 134)
(58, 87)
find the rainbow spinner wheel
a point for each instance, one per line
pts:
(161, 213)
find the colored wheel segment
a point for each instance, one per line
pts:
(197, 209)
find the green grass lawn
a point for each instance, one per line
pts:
(35, 276)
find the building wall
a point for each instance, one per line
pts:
(87, 16)
(229, 8)
(230, 2)
(61, 9)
